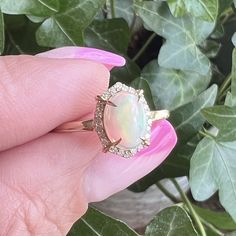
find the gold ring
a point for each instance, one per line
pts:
(122, 120)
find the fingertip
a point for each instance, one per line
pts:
(110, 173)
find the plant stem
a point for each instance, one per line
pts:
(14, 43)
(191, 209)
(224, 85)
(223, 94)
(112, 6)
(143, 48)
(167, 193)
(133, 24)
(206, 134)
(212, 227)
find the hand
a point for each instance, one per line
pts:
(47, 179)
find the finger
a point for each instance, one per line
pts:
(54, 171)
(109, 173)
(38, 94)
(108, 59)
(41, 182)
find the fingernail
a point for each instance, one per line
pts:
(159, 138)
(109, 59)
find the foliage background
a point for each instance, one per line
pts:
(182, 54)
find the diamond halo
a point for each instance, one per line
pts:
(103, 101)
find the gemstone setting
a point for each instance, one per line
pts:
(124, 129)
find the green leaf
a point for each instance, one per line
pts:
(67, 26)
(229, 99)
(171, 221)
(210, 48)
(233, 78)
(234, 39)
(36, 19)
(223, 118)
(176, 165)
(31, 7)
(187, 119)
(173, 88)
(204, 9)
(177, 7)
(224, 4)
(182, 37)
(96, 223)
(22, 40)
(218, 31)
(221, 220)
(111, 35)
(124, 9)
(213, 168)
(231, 234)
(2, 33)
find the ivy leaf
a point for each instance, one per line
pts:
(67, 26)
(231, 234)
(182, 37)
(210, 48)
(112, 35)
(233, 78)
(204, 9)
(2, 33)
(172, 88)
(234, 39)
(187, 119)
(171, 221)
(224, 4)
(223, 118)
(176, 165)
(22, 39)
(221, 220)
(124, 9)
(95, 223)
(213, 168)
(31, 7)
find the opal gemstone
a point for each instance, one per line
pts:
(127, 120)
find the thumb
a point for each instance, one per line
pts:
(38, 94)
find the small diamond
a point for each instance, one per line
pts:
(106, 96)
(147, 136)
(140, 147)
(112, 90)
(118, 86)
(142, 100)
(125, 88)
(132, 90)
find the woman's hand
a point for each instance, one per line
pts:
(47, 179)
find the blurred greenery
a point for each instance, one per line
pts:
(181, 53)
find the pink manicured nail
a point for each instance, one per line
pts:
(107, 58)
(160, 129)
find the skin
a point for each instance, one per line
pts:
(47, 179)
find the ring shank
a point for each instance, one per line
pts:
(88, 125)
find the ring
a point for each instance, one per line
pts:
(122, 120)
